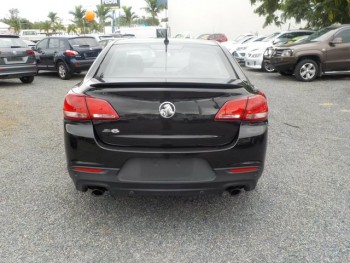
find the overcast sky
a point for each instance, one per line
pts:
(37, 10)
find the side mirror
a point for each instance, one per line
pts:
(33, 48)
(337, 40)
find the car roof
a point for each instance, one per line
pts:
(70, 36)
(161, 40)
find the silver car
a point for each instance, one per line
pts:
(17, 60)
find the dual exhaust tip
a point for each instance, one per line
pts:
(99, 191)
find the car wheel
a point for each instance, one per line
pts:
(267, 67)
(306, 70)
(286, 73)
(27, 79)
(63, 71)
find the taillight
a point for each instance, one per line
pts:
(71, 53)
(30, 52)
(253, 108)
(81, 107)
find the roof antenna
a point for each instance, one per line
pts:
(166, 40)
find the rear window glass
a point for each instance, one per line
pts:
(83, 42)
(200, 63)
(11, 42)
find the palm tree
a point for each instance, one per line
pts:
(128, 16)
(60, 27)
(72, 28)
(54, 19)
(78, 15)
(153, 8)
(102, 13)
(46, 26)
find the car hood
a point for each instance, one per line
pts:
(299, 46)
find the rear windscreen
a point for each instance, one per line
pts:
(83, 42)
(179, 61)
(12, 42)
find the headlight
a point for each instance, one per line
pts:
(268, 51)
(287, 53)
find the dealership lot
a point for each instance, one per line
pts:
(298, 213)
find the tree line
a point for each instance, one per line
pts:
(78, 22)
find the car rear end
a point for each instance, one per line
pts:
(184, 123)
(82, 53)
(17, 60)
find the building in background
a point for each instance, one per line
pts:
(232, 17)
(4, 28)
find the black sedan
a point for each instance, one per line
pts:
(165, 117)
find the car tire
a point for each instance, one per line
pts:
(286, 73)
(306, 70)
(267, 67)
(27, 79)
(63, 71)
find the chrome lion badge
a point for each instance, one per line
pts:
(167, 110)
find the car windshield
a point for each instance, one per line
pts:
(322, 34)
(83, 41)
(11, 42)
(204, 36)
(181, 62)
(270, 37)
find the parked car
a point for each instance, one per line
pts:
(240, 51)
(326, 52)
(29, 43)
(31, 35)
(255, 53)
(219, 37)
(17, 60)
(67, 54)
(232, 45)
(188, 122)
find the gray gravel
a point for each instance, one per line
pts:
(298, 213)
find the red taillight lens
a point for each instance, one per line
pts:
(243, 169)
(30, 52)
(80, 107)
(71, 53)
(75, 108)
(253, 108)
(101, 109)
(257, 109)
(87, 170)
(232, 110)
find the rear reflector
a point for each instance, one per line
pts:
(81, 107)
(244, 169)
(87, 170)
(252, 108)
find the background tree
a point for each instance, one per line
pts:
(317, 13)
(72, 28)
(129, 16)
(78, 14)
(13, 21)
(46, 26)
(54, 19)
(153, 8)
(102, 13)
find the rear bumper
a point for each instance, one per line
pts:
(78, 65)
(121, 171)
(111, 182)
(18, 71)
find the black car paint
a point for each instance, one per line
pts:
(87, 146)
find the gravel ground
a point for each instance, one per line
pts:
(298, 213)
